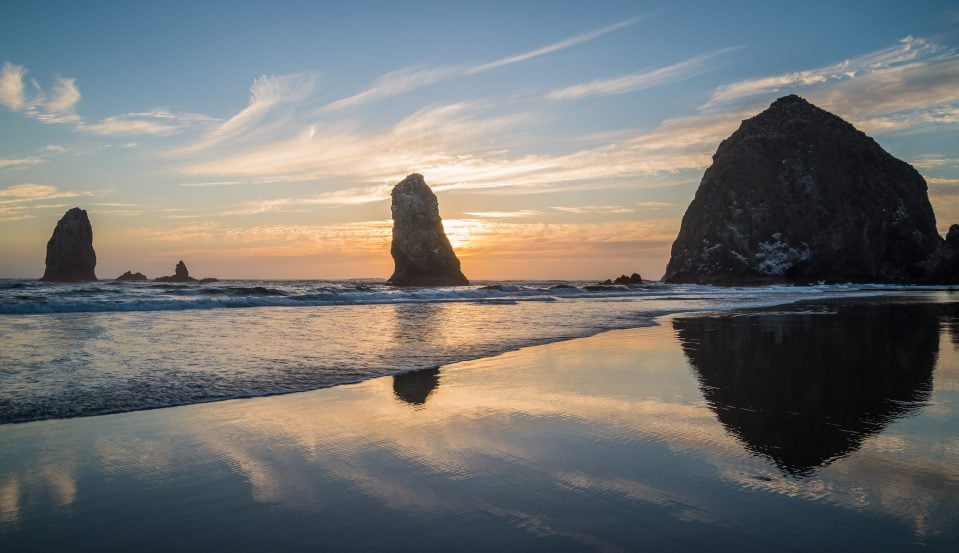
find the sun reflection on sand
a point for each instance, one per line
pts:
(9, 500)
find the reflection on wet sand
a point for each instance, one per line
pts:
(546, 449)
(804, 389)
(415, 386)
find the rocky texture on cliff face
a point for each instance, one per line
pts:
(131, 276)
(421, 251)
(70, 255)
(181, 274)
(799, 195)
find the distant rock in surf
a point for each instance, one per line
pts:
(623, 279)
(421, 251)
(131, 276)
(70, 254)
(799, 195)
(182, 275)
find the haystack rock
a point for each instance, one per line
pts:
(70, 255)
(799, 195)
(181, 275)
(421, 251)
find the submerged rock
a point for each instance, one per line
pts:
(799, 195)
(421, 251)
(131, 276)
(70, 254)
(181, 275)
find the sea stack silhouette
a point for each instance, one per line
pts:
(799, 195)
(181, 274)
(132, 277)
(421, 252)
(70, 254)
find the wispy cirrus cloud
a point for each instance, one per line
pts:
(908, 50)
(55, 105)
(919, 95)
(411, 78)
(934, 161)
(18, 200)
(156, 122)
(452, 146)
(460, 147)
(12, 93)
(19, 162)
(686, 69)
(519, 214)
(343, 151)
(605, 209)
(32, 192)
(352, 196)
(267, 93)
(654, 205)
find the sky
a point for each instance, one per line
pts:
(564, 140)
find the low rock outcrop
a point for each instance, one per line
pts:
(623, 279)
(421, 251)
(799, 195)
(181, 275)
(132, 277)
(70, 254)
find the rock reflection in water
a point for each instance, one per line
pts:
(414, 387)
(804, 389)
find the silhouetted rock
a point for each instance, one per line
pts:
(799, 195)
(806, 388)
(131, 276)
(421, 251)
(943, 265)
(182, 275)
(70, 255)
(631, 279)
(208, 280)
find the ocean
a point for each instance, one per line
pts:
(92, 348)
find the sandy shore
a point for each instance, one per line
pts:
(632, 439)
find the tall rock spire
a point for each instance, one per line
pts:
(421, 251)
(70, 255)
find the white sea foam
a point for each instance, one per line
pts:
(91, 348)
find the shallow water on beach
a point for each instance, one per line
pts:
(818, 427)
(93, 348)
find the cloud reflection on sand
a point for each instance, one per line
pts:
(617, 415)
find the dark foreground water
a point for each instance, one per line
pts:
(817, 427)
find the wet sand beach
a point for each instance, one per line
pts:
(818, 426)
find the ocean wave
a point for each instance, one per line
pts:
(64, 366)
(34, 297)
(106, 296)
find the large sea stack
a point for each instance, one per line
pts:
(421, 251)
(799, 195)
(70, 255)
